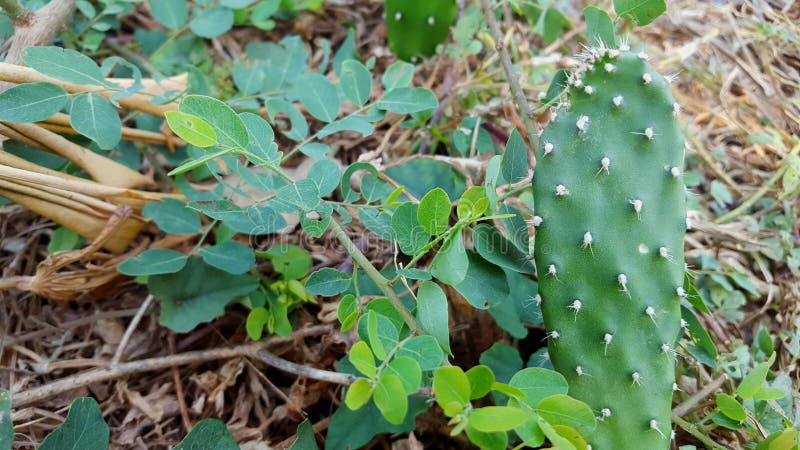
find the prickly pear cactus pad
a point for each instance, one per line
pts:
(611, 216)
(415, 27)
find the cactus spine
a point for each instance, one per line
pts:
(609, 245)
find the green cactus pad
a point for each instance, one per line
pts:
(415, 27)
(611, 216)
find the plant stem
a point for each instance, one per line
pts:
(513, 76)
(698, 396)
(691, 429)
(15, 11)
(376, 277)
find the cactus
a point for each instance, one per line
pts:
(611, 218)
(415, 27)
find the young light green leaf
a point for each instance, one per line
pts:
(514, 165)
(433, 212)
(319, 96)
(641, 11)
(432, 313)
(209, 434)
(152, 262)
(362, 359)
(212, 22)
(731, 407)
(305, 437)
(31, 102)
(599, 26)
(425, 350)
(290, 260)
(96, 118)
(486, 441)
(328, 282)
(473, 203)
(538, 383)
(408, 371)
(490, 419)
(560, 442)
(481, 379)
(358, 393)
(561, 409)
(767, 393)
(753, 381)
(451, 263)
(406, 100)
(229, 127)
(191, 129)
(372, 331)
(231, 256)
(256, 320)
(356, 81)
(451, 388)
(84, 428)
(172, 216)
(346, 309)
(391, 399)
(171, 13)
(64, 64)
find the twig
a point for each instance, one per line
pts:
(131, 328)
(692, 429)
(39, 28)
(15, 11)
(698, 396)
(525, 109)
(176, 378)
(300, 370)
(376, 277)
(62, 327)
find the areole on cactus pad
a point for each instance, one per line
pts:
(611, 214)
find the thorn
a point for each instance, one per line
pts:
(676, 109)
(589, 90)
(665, 349)
(648, 132)
(431, 21)
(561, 190)
(587, 241)
(671, 77)
(613, 53)
(397, 16)
(617, 101)
(675, 387)
(664, 253)
(605, 163)
(643, 56)
(684, 325)
(610, 67)
(607, 338)
(636, 378)
(651, 313)
(582, 123)
(551, 270)
(535, 221)
(681, 292)
(637, 206)
(672, 435)
(552, 335)
(605, 413)
(647, 78)
(537, 299)
(675, 172)
(579, 370)
(654, 426)
(576, 306)
(624, 46)
(623, 281)
(548, 148)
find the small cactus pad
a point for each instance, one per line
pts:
(415, 27)
(613, 220)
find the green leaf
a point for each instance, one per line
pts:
(374, 340)
(767, 393)
(406, 100)
(197, 293)
(212, 22)
(261, 138)
(96, 118)
(63, 239)
(390, 398)
(229, 127)
(731, 407)
(473, 203)
(538, 383)
(358, 394)
(425, 350)
(325, 174)
(191, 129)
(503, 359)
(305, 437)
(231, 256)
(641, 11)
(414, 274)
(481, 380)
(171, 13)
(487, 441)
(359, 124)
(318, 94)
(84, 428)
(172, 216)
(354, 429)
(208, 434)
(362, 359)
(408, 233)
(290, 260)
(31, 102)
(780, 440)
(599, 27)
(346, 311)
(450, 264)
(64, 64)
(256, 320)
(153, 262)
(328, 282)
(408, 371)
(514, 165)
(484, 284)
(433, 212)
(432, 313)
(356, 82)
(560, 442)
(753, 381)
(698, 332)
(6, 424)
(302, 194)
(490, 419)
(495, 248)
(399, 74)
(561, 409)
(451, 388)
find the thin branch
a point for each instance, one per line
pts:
(131, 328)
(39, 28)
(15, 11)
(376, 276)
(300, 370)
(692, 429)
(524, 107)
(699, 396)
